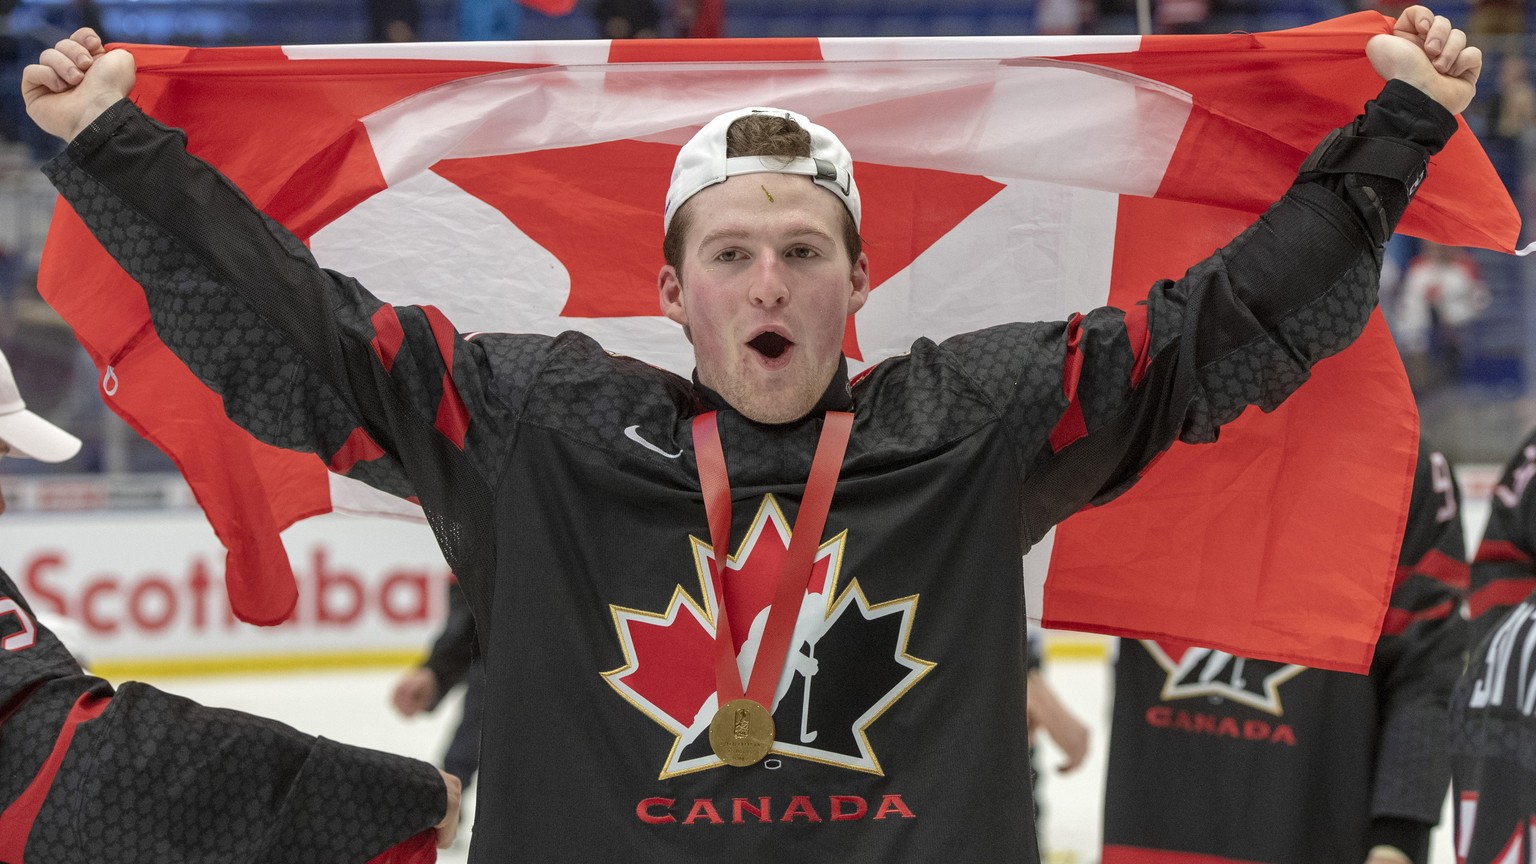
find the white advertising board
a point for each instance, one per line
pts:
(146, 589)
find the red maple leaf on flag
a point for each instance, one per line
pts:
(603, 220)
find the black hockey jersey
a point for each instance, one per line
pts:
(562, 485)
(140, 776)
(1493, 742)
(1215, 758)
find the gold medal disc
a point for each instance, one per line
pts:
(741, 733)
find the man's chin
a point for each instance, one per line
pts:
(771, 405)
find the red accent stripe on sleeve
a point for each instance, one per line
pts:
(452, 417)
(387, 335)
(1140, 335)
(1500, 552)
(1072, 425)
(1442, 568)
(359, 447)
(1500, 592)
(1398, 620)
(16, 821)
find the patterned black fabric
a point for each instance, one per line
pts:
(159, 779)
(1492, 719)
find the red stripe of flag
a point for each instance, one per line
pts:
(713, 50)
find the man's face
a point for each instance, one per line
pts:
(765, 288)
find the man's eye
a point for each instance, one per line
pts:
(803, 252)
(729, 255)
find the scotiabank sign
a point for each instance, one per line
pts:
(152, 586)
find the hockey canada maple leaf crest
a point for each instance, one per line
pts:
(1206, 672)
(847, 662)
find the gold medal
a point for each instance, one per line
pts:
(741, 733)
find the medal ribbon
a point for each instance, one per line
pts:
(794, 576)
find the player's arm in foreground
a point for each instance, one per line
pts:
(136, 775)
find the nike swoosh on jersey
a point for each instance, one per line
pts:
(633, 434)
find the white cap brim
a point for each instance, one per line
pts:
(702, 163)
(31, 436)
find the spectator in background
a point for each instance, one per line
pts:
(1063, 17)
(1496, 18)
(628, 19)
(1182, 16)
(1441, 293)
(455, 657)
(1288, 765)
(489, 20)
(1509, 112)
(393, 20)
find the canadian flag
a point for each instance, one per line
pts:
(519, 186)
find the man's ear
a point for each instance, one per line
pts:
(859, 280)
(670, 289)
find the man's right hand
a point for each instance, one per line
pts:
(72, 83)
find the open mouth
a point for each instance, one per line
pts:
(771, 345)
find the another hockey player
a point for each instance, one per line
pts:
(1493, 711)
(1282, 764)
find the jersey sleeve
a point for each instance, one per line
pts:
(1503, 572)
(303, 358)
(1419, 655)
(1093, 400)
(139, 775)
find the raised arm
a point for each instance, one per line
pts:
(303, 358)
(1244, 326)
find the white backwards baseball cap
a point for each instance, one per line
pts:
(702, 162)
(28, 434)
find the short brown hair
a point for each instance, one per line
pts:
(758, 135)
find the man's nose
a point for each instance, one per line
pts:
(768, 286)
